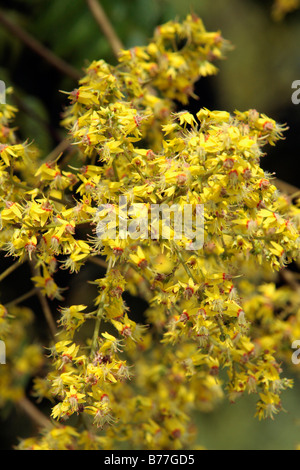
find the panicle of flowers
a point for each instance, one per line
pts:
(133, 381)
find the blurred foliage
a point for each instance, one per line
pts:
(258, 74)
(232, 427)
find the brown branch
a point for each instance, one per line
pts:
(105, 26)
(58, 151)
(97, 261)
(34, 413)
(39, 48)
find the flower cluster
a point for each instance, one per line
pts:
(136, 384)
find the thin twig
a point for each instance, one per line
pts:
(34, 413)
(44, 303)
(11, 269)
(21, 299)
(47, 313)
(58, 151)
(39, 48)
(105, 26)
(98, 261)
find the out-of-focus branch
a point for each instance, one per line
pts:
(21, 299)
(286, 188)
(11, 269)
(39, 48)
(34, 413)
(98, 261)
(105, 26)
(289, 278)
(61, 148)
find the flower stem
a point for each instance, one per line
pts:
(185, 266)
(100, 313)
(135, 166)
(223, 335)
(44, 304)
(115, 170)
